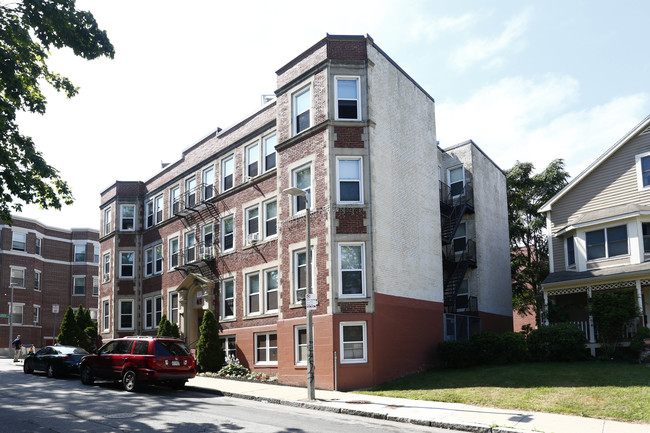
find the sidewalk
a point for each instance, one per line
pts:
(445, 415)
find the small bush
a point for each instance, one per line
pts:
(456, 354)
(637, 344)
(514, 347)
(560, 342)
(484, 348)
(233, 368)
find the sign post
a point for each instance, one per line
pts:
(55, 310)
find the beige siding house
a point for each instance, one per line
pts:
(599, 232)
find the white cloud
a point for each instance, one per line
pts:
(424, 27)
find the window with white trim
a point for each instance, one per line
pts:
(456, 176)
(126, 264)
(605, 243)
(148, 262)
(229, 346)
(157, 310)
(19, 241)
(158, 259)
(80, 253)
(158, 209)
(645, 228)
(352, 269)
(348, 102)
(190, 192)
(349, 180)
(300, 274)
(106, 316)
(301, 109)
(106, 267)
(266, 348)
(148, 313)
(354, 342)
(37, 280)
(252, 160)
(174, 200)
(17, 313)
(227, 233)
(227, 170)
(252, 225)
(173, 252)
(270, 218)
(300, 345)
(190, 247)
(95, 286)
(271, 290)
(39, 243)
(459, 242)
(207, 240)
(228, 299)
(462, 297)
(570, 252)
(126, 314)
(78, 286)
(108, 221)
(95, 254)
(149, 214)
(173, 307)
(37, 315)
(17, 277)
(208, 183)
(253, 293)
(301, 179)
(643, 170)
(127, 217)
(268, 150)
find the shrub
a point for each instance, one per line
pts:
(233, 368)
(559, 342)
(612, 311)
(487, 348)
(209, 354)
(514, 347)
(637, 344)
(456, 354)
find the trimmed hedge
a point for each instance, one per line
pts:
(559, 342)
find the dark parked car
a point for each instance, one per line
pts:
(55, 360)
(140, 360)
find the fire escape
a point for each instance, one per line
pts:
(459, 252)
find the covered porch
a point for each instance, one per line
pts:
(195, 296)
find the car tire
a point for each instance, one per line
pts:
(87, 377)
(51, 372)
(27, 367)
(129, 381)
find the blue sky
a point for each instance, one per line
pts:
(528, 81)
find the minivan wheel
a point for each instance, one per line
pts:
(129, 380)
(87, 375)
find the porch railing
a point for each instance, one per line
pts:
(626, 334)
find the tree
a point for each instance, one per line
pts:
(529, 261)
(164, 327)
(87, 329)
(69, 334)
(612, 312)
(209, 354)
(28, 29)
(175, 332)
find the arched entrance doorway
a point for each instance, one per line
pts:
(195, 295)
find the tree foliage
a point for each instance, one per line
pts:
(529, 261)
(87, 329)
(612, 312)
(69, 333)
(28, 30)
(209, 353)
(164, 327)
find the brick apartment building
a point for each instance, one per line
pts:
(409, 242)
(47, 267)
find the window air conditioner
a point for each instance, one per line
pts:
(253, 238)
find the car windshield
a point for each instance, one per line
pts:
(71, 350)
(171, 348)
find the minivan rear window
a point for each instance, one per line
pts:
(170, 348)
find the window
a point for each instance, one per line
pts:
(126, 314)
(302, 180)
(79, 253)
(228, 299)
(127, 217)
(301, 110)
(353, 342)
(149, 213)
(608, 242)
(95, 286)
(300, 340)
(271, 289)
(148, 262)
(175, 200)
(300, 274)
(148, 313)
(173, 253)
(570, 252)
(270, 218)
(227, 168)
(252, 225)
(126, 264)
(158, 209)
(459, 242)
(37, 315)
(39, 242)
(208, 183)
(190, 247)
(17, 313)
(253, 293)
(79, 286)
(229, 346)
(351, 264)
(646, 237)
(19, 241)
(106, 314)
(462, 297)
(456, 181)
(253, 160)
(95, 254)
(17, 277)
(190, 192)
(227, 233)
(269, 151)
(107, 221)
(347, 98)
(106, 267)
(157, 310)
(207, 236)
(643, 170)
(173, 307)
(158, 259)
(37, 280)
(349, 180)
(266, 348)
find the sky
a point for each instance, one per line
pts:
(527, 81)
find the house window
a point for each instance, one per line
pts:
(300, 274)
(79, 286)
(229, 346)
(271, 289)
(252, 225)
(270, 218)
(570, 252)
(148, 262)
(207, 236)
(459, 241)
(190, 192)
(173, 307)
(79, 253)
(269, 151)
(253, 160)
(175, 200)
(608, 242)
(173, 253)
(95, 254)
(37, 315)
(456, 181)
(37, 280)
(17, 277)
(228, 299)
(253, 293)
(95, 286)
(149, 213)
(351, 265)
(17, 313)
(347, 98)
(208, 183)
(106, 314)
(301, 110)
(126, 264)
(107, 221)
(349, 180)
(127, 217)
(190, 247)
(354, 345)
(19, 241)
(158, 209)
(106, 267)
(158, 259)
(646, 237)
(39, 242)
(227, 233)
(462, 297)
(148, 313)
(266, 348)
(643, 170)
(300, 339)
(227, 169)
(126, 314)
(157, 310)
(302, 180)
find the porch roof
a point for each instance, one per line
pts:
(596, 276)
(605, 215)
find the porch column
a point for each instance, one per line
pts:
(545, 307)
(592, 333)
(639, 298)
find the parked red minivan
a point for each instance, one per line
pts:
(140, 360)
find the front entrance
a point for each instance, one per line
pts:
(195, 296)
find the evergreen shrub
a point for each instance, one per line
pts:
(559, 342)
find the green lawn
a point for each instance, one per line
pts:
(593, 389)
